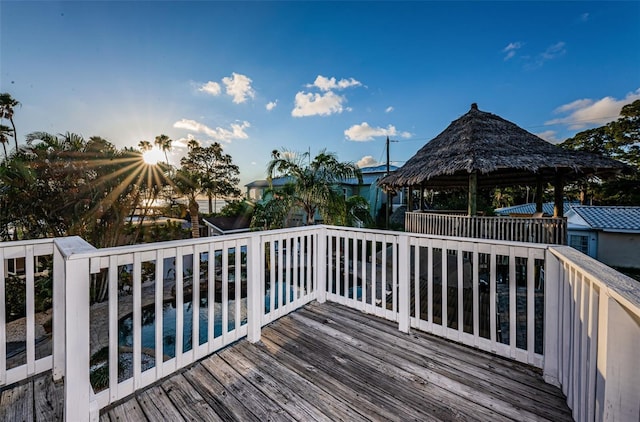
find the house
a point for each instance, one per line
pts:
(257, 188)
(368, 189)
(609, 234)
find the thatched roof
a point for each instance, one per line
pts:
(502, 153)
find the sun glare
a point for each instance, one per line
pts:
(152, 156)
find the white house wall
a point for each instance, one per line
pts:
(619, 249)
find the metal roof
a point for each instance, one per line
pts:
(613, 218)
(530, 208)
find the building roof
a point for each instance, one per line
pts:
(370, 175)
(530, 208)
(614, 218)
(275, 182)
(229, 224)
(502, 153)
(378, 169)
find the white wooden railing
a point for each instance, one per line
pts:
(517, 229)
(548, 306)
(18, 262)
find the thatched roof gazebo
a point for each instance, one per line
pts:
(481, 149)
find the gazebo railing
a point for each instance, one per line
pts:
(549, 230)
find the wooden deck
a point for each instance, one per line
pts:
(325, 362)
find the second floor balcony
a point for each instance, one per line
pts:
(329, 309)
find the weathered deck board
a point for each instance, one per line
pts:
(520, 389)
(17, 404)
(333, 406)
(325, 362)
(48, 397)
(187, 400)
(157, 406)
(505, 396)
(226, 405)
(279, 393)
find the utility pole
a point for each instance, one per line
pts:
(386, 214)
(389, 194)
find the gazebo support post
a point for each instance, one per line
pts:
(558, 196)
(473, 193)
(410, 199)
(539, 193)
(421, 198)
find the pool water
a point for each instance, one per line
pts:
(169, 315)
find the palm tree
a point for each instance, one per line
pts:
(316, 183)
(7, 105)
(145, 146)
(5, 131)
(163, 142)
(193, 144)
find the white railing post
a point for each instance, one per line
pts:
(617, 389)
(321, 260)
(58, 314)
(77, 387)
(404, 264)
(254, 288)
(553, 280)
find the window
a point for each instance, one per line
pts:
(579, 242)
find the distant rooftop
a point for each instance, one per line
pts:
(378, 169)
(614, 218)
(263, 183)
(369, 175)
(530, 208)
(223, 225)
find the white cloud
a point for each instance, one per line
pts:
(587, 112)
(367, 161)
(212, 88)
(549, 136)
(584, 17)
(511, 49)
(182, 142)
(327, 84)
(271, 105)
(363, 132)
(575, 105)
(309, 104)
(239, 87)
(388, 109)
(553, 51)
(237, 130)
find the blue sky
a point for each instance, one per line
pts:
(258, 76)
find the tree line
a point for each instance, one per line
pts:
(61, 185)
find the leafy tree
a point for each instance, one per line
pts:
(315, 183)
(217, 174)
(355, 212)
(236, 208)
(619, 140)
(187, 183)
(61, 185)
(7, 106)
(272, 213)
